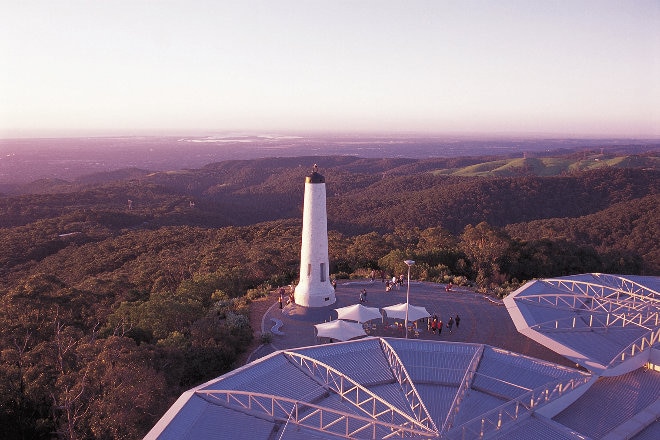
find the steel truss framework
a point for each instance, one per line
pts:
(570, 301)
(365, 400)
(384, 423)
(613, 286)
(580, 320)
(589, 296)
(310, 415)
(381, 419)
(617, 302)
(408, 387)
(463, 389)
(515, 409)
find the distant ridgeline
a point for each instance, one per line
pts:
(27, 160)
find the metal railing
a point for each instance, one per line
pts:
(513, 410)
(642, 343)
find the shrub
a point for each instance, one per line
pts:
(259, 292)
(219, 295)
(236, 322)
(361, 273)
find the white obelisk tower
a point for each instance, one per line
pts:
(314, 288)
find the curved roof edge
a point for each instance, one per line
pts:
(605, 323)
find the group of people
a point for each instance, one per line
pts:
(282, 293)
(436, 324)
(395, 282)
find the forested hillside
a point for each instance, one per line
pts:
(109, 309)
(630, 227)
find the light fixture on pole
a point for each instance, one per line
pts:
(408, 263)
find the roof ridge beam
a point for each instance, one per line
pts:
(408, 386)
(463, 389)
(350, 390)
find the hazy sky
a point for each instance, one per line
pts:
(197, 66)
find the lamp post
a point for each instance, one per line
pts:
(408, 263)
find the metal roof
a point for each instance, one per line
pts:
(597, 320)
(369, 388)
(388, 387)
(595, 413)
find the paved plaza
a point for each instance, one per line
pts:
(483, 320)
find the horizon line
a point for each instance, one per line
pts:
(101, 134)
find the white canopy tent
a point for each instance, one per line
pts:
(340, 330)
(398, 311)
(359, 313)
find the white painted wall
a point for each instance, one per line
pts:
(314, 288)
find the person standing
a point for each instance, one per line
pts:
(458, 320)
(450, 323)
(439, 327)
(434, 323)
